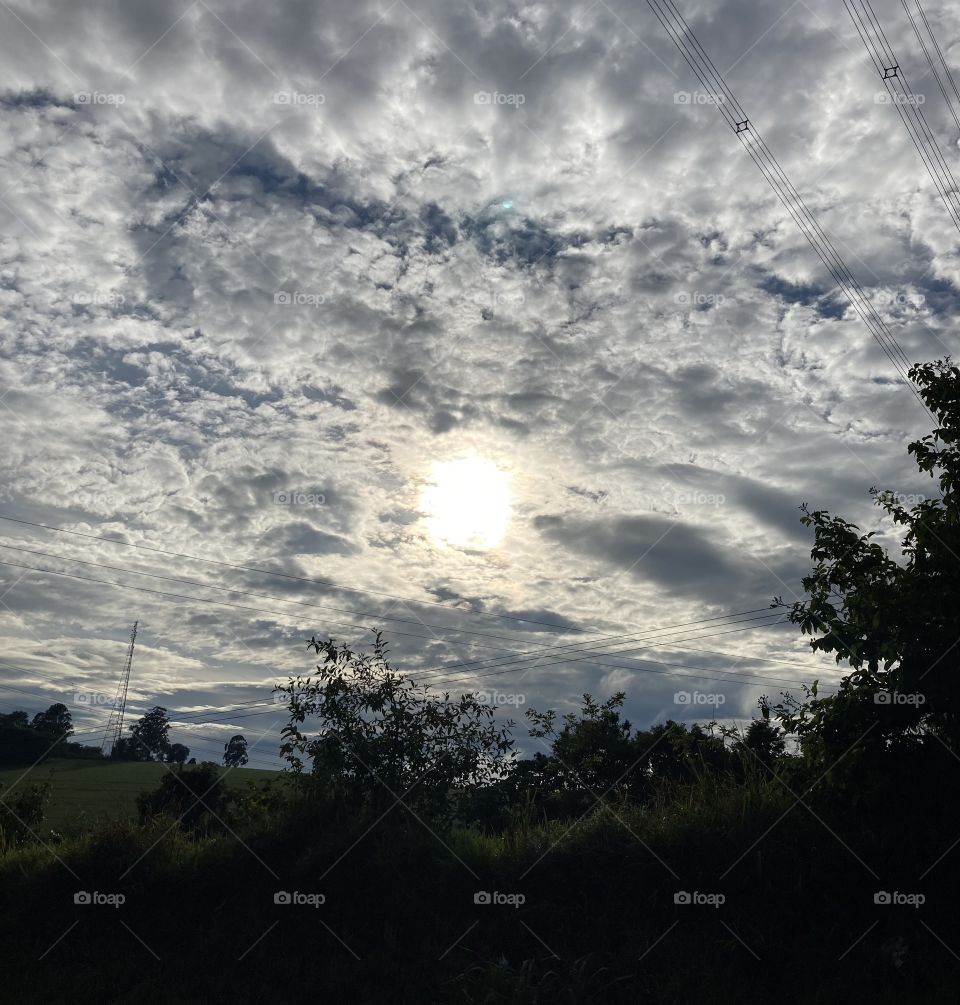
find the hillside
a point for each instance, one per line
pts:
(96, 789)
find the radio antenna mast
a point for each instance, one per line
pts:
(114, 730)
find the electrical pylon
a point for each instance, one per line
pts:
(114, 728)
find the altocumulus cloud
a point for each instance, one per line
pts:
(263, 264)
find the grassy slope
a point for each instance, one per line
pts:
(103, 789)
(400, 925)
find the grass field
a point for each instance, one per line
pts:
(96, 789)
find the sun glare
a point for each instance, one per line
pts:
(467, 503)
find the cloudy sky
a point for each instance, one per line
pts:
(268, 269)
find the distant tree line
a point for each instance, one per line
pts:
(24, 740)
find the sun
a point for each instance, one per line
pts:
(466, 503)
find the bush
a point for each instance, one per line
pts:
(196, 797)
(383, 738)
(22, 814)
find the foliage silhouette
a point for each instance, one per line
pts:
(382, 738)
(894, 620)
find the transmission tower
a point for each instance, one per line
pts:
(114, 728)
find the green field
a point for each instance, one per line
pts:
(94, 789)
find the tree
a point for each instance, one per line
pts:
(19, 719)
(597, 754)
(681, 754)
(21, 815)
(235, 752)
(382, 737)
(764, 741)
(593, 751)
(177, 753)
(19, 745)
(128, 749)
(196, 797)
(151, 731)
(895, 621)
(56, 721)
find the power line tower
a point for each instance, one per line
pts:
(114, 728)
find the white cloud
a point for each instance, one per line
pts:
(211, 297)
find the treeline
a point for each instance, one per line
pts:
(47, 735)
(26, 741)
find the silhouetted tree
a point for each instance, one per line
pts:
(894, 621)
(129, 749)
(235, 752)
(56, 721)
(592, 752)
(22, 813)
(682, 754)
(177, 753)
(151, 730)
(194, 796)
(382, 736)
(764, 740)
(19, 745)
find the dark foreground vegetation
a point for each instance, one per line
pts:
(414, 857)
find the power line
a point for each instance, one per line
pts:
(174, 721)
(645, 638)
(733, 114)
(886, 64)
(656, 636)
(756, 147)
(204, 713)
(930, 63)
(946, 68)
(208, 600)
(600, 662)
(136, 706)
(669, 673)
(288, 614)
(712, 674)
(298, 579)
(523, 659)
(261, 596)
